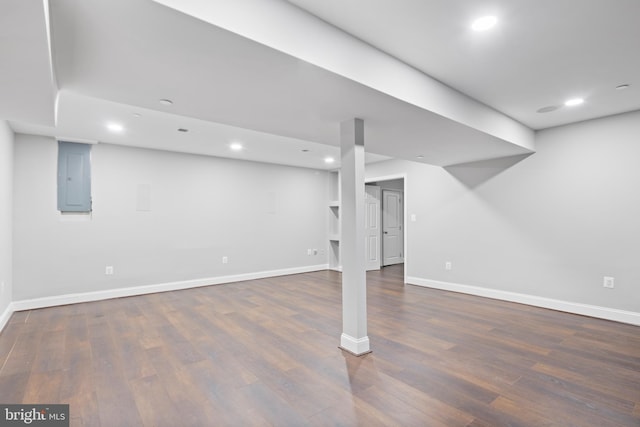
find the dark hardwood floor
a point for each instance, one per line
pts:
(265, 352)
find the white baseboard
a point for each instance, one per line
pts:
(355, 346)
(52, 301)
(622, 316)
(6, 315)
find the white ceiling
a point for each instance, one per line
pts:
(116, 58)
(541, 53)
(82, 119)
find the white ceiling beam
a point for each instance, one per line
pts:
(284, 27)
(27, 83)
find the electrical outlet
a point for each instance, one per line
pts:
(225, 260)
(315, 252)
(108, 270)
(608, 282)
(448, 265)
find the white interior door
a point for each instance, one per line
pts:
(372, 224)
(392, 225)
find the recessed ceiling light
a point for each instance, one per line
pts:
(166, 102)
(329, 160)
(137, 115)
(183, 130)
(236, 146)
(573, 102)
(420, 157)
(115, 127)
(484, 23)
(305, 150)
(623, 87)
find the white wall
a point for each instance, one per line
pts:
(6, 215)
(262, 217)
(551, 225)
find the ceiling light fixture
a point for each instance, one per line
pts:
(420, 157)
(485, 23)
(183, 130)
(137, 115)
(329, 160)
(166, 102)
(623, 87)
(573, 102)
(236, 146)
(115, 127)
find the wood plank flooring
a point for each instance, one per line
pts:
(264, 352)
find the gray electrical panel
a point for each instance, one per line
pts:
(74, 177)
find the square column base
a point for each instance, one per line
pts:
(355, 346)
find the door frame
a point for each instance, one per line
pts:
(405, 214)
(378, 199)
(382, 216)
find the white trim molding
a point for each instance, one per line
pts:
(52, 301)
(355, 346)
(6, 315)
(616, 315)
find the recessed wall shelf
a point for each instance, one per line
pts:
(334, 221)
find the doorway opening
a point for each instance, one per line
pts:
(390, 242)
(392, 227)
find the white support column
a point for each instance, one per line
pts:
(354, 337)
